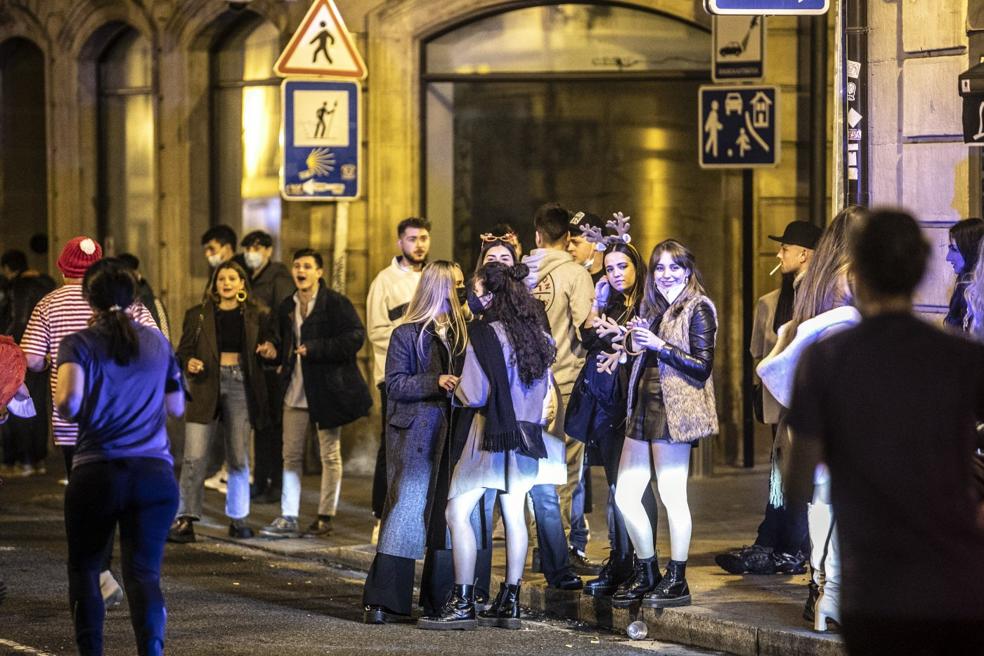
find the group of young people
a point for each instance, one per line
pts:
(489, 380)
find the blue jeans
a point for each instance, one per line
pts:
(554, 558)
(236, 425)
(141, 495)
(579, 526)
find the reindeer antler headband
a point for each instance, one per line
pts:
(620, 224)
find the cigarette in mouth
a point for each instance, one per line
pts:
(773, 272)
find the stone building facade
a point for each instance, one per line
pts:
(140, 102)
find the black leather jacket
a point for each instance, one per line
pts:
(698, 363)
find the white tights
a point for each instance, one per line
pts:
(671, 464)
(463, 545)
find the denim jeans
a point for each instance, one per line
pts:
(578, 534)
(141, 495)
(571, 493)
(554, 558)
(296, 421)
(198, 437)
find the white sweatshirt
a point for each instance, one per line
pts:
(389, 295)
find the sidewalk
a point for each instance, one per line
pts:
(748, 615)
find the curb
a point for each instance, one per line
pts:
(693, 626)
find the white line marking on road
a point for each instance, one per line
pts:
(22, 649)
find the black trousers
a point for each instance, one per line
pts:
(268, 445)
(25, 440)
(390, 584)
(141, 495)
(785, 530)
(883, 636)
(379, 475)
(68, 453)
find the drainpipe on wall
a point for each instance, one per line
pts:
(818, 120)
(854, 99)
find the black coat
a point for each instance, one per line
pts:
(199, 340)
(336, 392)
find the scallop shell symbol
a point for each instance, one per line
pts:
(320, 161)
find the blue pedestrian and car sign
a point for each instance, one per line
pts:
(322, 139)
(767, 7)
(739, 127)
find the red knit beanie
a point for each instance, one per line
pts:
(78, 255)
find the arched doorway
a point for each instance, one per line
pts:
(23, 150)
(591, 105)
(245, 128)
(126, 185)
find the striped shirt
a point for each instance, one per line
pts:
(60, 313)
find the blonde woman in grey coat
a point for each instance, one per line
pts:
(670, 407)
(507, 376)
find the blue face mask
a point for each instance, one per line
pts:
(474, 303)
(462, 294)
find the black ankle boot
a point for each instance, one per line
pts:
(809, 610)
(504, 611)
(617, 570)
(644, 578)
(672, 590)
(457, 614)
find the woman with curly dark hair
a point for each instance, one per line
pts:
(507, 374)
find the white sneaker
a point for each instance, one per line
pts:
(217, 482)
(112, 593)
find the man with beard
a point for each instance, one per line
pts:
(389, 295)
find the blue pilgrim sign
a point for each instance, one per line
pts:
(322, 139)
(768, 7)
(739, 127)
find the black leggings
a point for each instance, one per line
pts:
(141, 495)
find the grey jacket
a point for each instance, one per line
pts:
(417, 414)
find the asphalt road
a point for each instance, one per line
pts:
(227, 599)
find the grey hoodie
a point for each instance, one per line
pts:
(567, 293)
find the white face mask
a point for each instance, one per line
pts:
(254, 260)
(588, 263)
(214, 260)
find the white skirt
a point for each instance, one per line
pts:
(507, 471)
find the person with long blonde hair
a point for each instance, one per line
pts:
(823, 306)
(506, 374)
(422, 366)
(974, 295)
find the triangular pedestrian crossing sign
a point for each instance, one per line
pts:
(321, 46)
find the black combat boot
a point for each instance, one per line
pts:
(672, 590)
(617, 570)
(644, 578)
(504, 611)
(457, 614)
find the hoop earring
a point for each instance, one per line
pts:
(241, 295)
